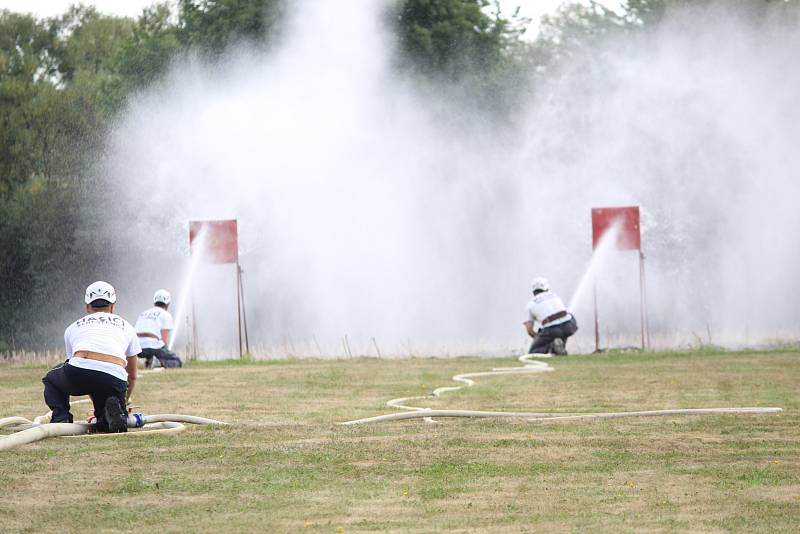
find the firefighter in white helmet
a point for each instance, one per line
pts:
(154, 327)
(556, 324)
(101, 362)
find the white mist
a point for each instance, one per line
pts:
(373, 210)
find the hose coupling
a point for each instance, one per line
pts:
(135, 420)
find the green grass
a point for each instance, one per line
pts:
(285, 465)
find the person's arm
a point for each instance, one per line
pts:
(166, 327)
(132, 362)
(529, 328)
(67, 344)
(165, 337)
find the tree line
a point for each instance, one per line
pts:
(64, 80)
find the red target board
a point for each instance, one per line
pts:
(220, 241)
(603, 219)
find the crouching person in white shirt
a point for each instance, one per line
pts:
(102, 351)
(154, 327)
(557, 324)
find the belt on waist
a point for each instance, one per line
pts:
(148, 334)
(554, 317)
(89, 355)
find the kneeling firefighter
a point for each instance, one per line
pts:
(101, 362)
(153, 327)
(557, 324)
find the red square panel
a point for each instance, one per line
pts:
(220, 240)
(603, 219)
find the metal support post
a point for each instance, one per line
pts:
(596, 320)
(244, 310)
(239, 309)
(643, 304)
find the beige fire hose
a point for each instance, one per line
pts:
(529, 366)
(26, 431)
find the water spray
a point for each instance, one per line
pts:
(181, 312)
(366, 192)
(599, 256)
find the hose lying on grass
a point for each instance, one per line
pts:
(26, 431)
(529, 366)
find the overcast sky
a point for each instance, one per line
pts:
(45, 8)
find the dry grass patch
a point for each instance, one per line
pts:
(286, 465)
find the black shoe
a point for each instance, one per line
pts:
(116, 416)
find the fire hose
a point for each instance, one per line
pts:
(530, 366)
(26, 431)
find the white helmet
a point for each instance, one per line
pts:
(162, 296)
(540, 284)
(101, 290)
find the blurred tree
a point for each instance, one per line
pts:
(89, 41)
(62, 80)
(144, 56)
(468, 44)
(51, 128)
(207, 26)
(574, 30)
(452, 39)
(211, 26)
(27, 64)
(576, 33)
(26, 47)
(51, 73)
(37, 230)
(652, 12)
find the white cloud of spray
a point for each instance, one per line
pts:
(370, 210)
(697, 123)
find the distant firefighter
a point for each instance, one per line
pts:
(153, 327)
(556, 323)
(101, 362)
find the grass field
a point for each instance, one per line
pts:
(286, 466)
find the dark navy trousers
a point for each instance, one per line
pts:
(543, 342)
(65, 380)
(165, 357)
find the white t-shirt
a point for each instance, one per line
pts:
(105, 333)
(544, 305)
(153, 321)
